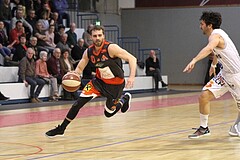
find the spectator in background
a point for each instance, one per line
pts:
(44, 19)
(42, 72)
(31, 18)
(15, 33)
(42, 38)
(50, 36)
(72, 36)
(66, 66)
(19, 17)
(27, 75)
(5, 14)
(59, 33)
(33, 5)
(60, 6)
(18, 6)
(53, 65)
(21, 49)
(4, 50)
(45, 7)
(153, 69)
(63, 43)
(54, 21)
(87, 37)
(33, 44)
(77, 51)
(3, 34)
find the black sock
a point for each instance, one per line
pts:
(65, 123)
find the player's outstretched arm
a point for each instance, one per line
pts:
(213, 42)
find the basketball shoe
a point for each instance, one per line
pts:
(58, 131)
(126, 106)
(235, 130)
(125, 100)
(200, 132)
(109, 113)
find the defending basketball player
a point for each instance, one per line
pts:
(108, 82)
(228, 79)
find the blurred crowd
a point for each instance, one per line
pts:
(33, 37)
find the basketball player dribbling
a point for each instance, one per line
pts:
(108, 82)
(228, 79)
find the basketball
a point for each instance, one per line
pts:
(71, 82)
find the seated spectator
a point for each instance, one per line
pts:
(19, 17)
(18, 5)
(21, 49)
(50, 36)
(42, 72)
(62, 44)
(27, 75)
(72, 36)
(5, 14)
(60, 7)
(42, 38)
(53, 65)
(153, 69)
(33, 44)
(15, 33)
(54, 21)
(87, 37)
(33, 5)
(44, 19)
(77, 51)
(44, 7)
(31, 18)
(67, 66)
(58, 35)
(4, 50)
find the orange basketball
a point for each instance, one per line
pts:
(71, 82)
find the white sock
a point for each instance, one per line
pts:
(203, 120)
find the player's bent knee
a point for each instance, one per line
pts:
(206, 96)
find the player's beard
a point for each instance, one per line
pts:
(98, 43)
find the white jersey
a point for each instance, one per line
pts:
(228, 57)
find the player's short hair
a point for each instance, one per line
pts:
(213, 18)
(97, 28)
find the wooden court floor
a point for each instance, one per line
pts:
(155, 128)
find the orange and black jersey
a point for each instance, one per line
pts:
(108, 69)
